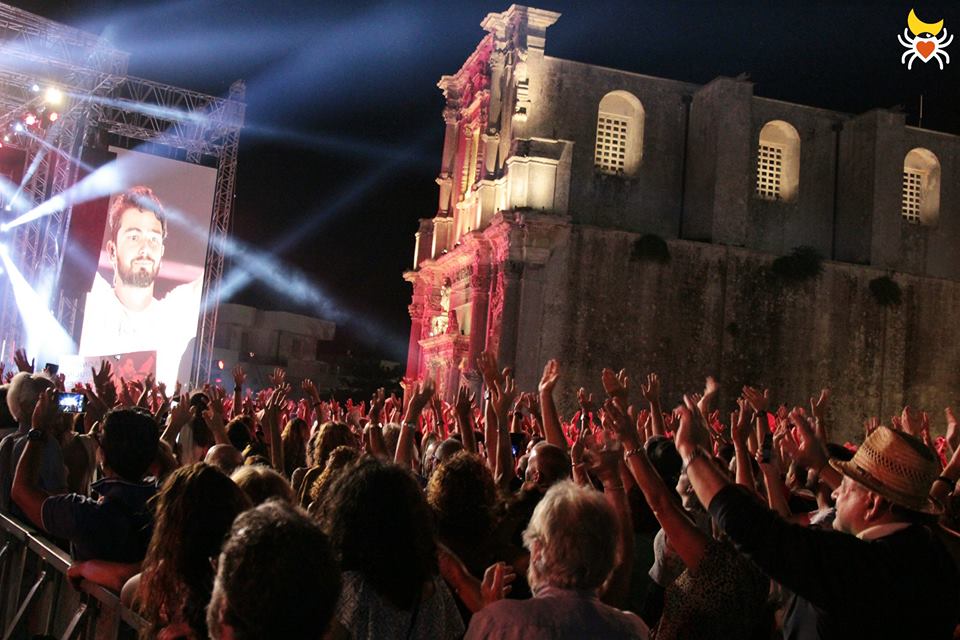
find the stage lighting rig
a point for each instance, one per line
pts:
(36, 115)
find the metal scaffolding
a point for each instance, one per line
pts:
(106, 102)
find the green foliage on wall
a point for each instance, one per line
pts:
(886, 291)
(803, 263)
(650, 248)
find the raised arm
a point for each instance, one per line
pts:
(686, 538)
(419, 398)
(464, 415)
(651, 393)
(552, 431)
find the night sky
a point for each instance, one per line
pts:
(344, 127)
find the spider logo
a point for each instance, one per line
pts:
(924, 44)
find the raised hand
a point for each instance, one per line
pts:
(487, 366)
(651, 389)
(710, 390)
(497, 582)
(419, 399)
(551, 372)
(310, 390)
(585, 400)
(758, 400)
(912, 421)
(45, 411)
(618, 422)
(616, 385)
(20, 359)
(953, 433)
(239, 376)
(870, 425)
(503, 395)
(464, 403)
(818, 407)
(807, 449)
(278, 378)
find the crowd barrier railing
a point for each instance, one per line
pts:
(35, 598)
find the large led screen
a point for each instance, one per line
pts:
(143, 308)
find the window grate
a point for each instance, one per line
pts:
(769, 171)
(611, 149)
(912, 195)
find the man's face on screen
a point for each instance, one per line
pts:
(137, 249)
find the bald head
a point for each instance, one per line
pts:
(224, 457)
(547, 464)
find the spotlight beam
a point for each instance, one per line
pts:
(43, 330)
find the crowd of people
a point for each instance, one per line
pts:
(280, 514)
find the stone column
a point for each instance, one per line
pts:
(509, 320)
(479, 298)
(413, 349)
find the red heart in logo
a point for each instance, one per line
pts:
(925, 48)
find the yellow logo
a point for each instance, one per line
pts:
(924, 44)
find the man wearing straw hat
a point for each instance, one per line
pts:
(884, 573)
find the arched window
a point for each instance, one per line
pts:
(921, 187)
(778, 162)
(619, 134)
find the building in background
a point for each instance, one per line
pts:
(608, 218)
(305, 347)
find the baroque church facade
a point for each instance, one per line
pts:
(607, 218)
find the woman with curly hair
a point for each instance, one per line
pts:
(381, 529)
(317, 481)
(329, 436)
(195, 509)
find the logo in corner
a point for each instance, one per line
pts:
(928, 41)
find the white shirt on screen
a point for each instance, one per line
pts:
(165, 326)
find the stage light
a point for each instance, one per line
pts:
(30, 120)
(43, 331)
(53, 96)
(220, 364)
(35, 88)
(54, 116)
(18, 127)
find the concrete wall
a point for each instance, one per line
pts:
(719, 310)
(778, 227)
(566, 109)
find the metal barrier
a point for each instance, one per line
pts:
(46, 608)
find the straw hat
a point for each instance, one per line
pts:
(897, 466)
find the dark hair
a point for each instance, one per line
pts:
(129, 442)
(193, 513)
(276, 576)
(239, 432)
(372, 499)
(463, 497)
(294, 440)
(142, 198)
(325, 439)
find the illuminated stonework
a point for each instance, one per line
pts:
(553, 171)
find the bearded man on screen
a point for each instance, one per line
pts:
(126, 317)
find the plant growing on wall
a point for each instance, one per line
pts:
(803, 263)
(650, 248)
(886, 291)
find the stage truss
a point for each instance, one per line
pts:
(107, 103)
